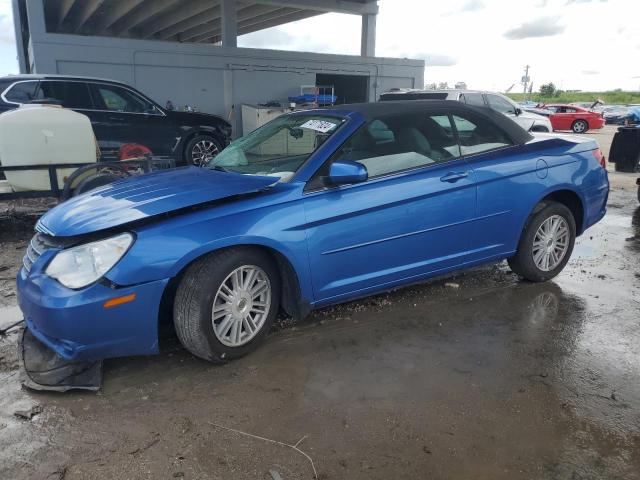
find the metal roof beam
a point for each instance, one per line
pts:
(213, 25)
(63, 11)
(83, 12)
(118, 11)
(181, 12)
(291, 17)
(145, 11)
(325, 6)
(256, 26)
(186, 25)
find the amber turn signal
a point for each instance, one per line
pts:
(114, 302)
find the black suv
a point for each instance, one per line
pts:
(121, 115)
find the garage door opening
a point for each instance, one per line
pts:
(348, 88)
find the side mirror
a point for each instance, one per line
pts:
(345, 171)
(518, 111)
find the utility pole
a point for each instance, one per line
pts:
(525, 80)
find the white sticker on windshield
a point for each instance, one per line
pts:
(321, 126)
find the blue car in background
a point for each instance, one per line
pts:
(315, 208)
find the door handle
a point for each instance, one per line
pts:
(452, 177)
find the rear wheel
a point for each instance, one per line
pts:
(226, 303)
(579, 126)
(200, 149)
(546, 243)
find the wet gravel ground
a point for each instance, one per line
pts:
(488, 378)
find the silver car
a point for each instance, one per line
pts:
(528, 120)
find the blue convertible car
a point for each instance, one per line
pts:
(314, 208)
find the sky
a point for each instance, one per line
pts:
(577, 44)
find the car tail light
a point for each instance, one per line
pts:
(597, 153)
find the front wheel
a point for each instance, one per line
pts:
(546, 243)
(201, 149)
(226, 303)
(580, 126)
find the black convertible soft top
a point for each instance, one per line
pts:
(374, 110)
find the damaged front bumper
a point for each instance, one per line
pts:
(42, 369)
(82, 325)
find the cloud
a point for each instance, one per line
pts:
(6, 30)
(473, 6)
(569, 2)
(590, 72)
(540, 27)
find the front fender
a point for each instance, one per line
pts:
(163, 249)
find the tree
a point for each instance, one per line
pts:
(548, 90)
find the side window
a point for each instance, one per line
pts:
(479, 136)
(570, 110)
(392, 144)
(22, 92)
(501, 105)
(474, 99)
(70, 94)
(118, 99)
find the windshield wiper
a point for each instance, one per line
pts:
(219, 168)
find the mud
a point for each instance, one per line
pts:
(495, 379)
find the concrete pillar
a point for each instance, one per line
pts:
(368, 39)
(20, 46)
(38, 33)
(229, 23)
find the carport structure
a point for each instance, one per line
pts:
(197, 21)
(186, 51)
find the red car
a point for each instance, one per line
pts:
(576, 119)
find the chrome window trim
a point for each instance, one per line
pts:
(94, 82)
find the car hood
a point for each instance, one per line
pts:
(194, 118)
(145, 196)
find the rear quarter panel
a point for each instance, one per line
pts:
(511, 182)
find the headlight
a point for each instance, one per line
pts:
(79, 266)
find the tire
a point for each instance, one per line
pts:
(95, 181)
(196, 324)
(580, 126)
(200, 149)
(523, 262)
(639, 194)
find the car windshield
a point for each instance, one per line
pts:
(278, 148)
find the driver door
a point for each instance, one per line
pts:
(124, 117)
(412, 217)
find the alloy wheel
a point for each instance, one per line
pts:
(579, 127)
(550, 243)
(241, 305)
(203, 151)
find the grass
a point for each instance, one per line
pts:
(610, 98)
